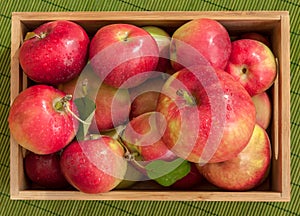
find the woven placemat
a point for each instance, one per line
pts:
(10, 208)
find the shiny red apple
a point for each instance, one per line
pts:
(123, 55)
(94, 166)
(205, 112)
(55, 52)
(41, 119)
(200, 41)
(253, 64)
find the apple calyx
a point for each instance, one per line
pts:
(30, 35)
(244, 72)
(189, 98)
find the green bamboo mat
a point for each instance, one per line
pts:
(137, 208)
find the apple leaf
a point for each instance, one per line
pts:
(167, 173)
(30, 35)
(86, 108)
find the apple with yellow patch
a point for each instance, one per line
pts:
(209, 116)
(247, 170)
(263, 109)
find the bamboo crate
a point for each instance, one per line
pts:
(273, 23)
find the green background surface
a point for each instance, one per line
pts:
(9, 207)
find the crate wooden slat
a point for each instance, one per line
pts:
(273, 23)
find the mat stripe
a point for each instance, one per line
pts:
(146, 208)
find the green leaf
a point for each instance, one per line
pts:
(167, 173)
(86, 108)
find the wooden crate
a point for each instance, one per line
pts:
(273, 23)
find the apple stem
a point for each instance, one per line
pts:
(76, 117)
(30, 35)
(85, 87)
(63, 103)
(190, 99)
(93, 136)
(130, 156)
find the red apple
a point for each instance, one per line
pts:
(44, 170)
(123, 55)
(252, 63)
(141, 135)
(263, 109)
(112, 108)
(55, 52)
(245, 171)
(200, 41)
(144, 96)
(40, 119)
(257, 36)
(191, 180)
(163, 41)
(205, 112)
(94, 166)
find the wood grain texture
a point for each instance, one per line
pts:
(275, 23)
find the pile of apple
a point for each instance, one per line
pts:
(131, 104)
